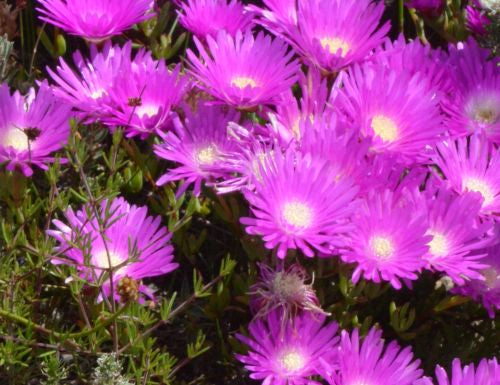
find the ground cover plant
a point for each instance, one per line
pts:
(285, 192)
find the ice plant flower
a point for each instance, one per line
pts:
(332, 34)
(298, 203)
(456, 235)
(396, 110)
(472, 164)
(487, 289)
(143, 96)
(389, 239)
(134, 245)
(476, 19)
(283, 290)
(475, 105)
(88, 89)
(207, 17)
(95, 20)
(200, 145)
(289, 352)
(244, 71)
(487, 372)
(32, 127)
(374, 362)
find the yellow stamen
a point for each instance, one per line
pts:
(101, 260)
(334, 44)
(243, 82)
(297, 214)
(385, 128)
(292, 361)
(480, 186)
(382, 247)
(148, 110)
(438, 246)
(206, 155)
(16, 138)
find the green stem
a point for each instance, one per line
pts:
(401, 16)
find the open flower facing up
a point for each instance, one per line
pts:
(207, 17)
(487, 289)
(289, 352)
(95, 20)
(244, 71)
(298, 203)
(486, 373)
(31, 127)
(475, 104)
(143, 96)
(456, 235)
(285, 291)
(88, 89)
(200, 145)
(332, 34)
(135, 245)
(389, 239)
(396, 110)
(372, 362)
(472, 164)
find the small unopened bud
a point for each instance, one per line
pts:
(128, 289)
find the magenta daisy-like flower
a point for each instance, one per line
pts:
(476, 19)
(456, 234)
(200, 146)
(487, 372)
(396, 110)
(298, 203)
(475, 104)
(389, 239)
(487, 289)
(332, 34)
(289, 352)
(244, 71)
(95, 20)
(207, 17)
(134, 245)
(373, 362)
(32, 127)
(472, 164)
(88, 89)
(143, 96)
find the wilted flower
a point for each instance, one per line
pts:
(298, 203)
(288, 353)
(472, 164)
(373, 362)
(244, 71)
(200, 145)
(31, 127)
(95, 20)
(207, 17)
(396, 110)
(283, 290)
(332, 34)
(486, 373)
(114, 236)
(389, 239)
(476, 19)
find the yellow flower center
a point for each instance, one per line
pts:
(334, 44)
(297, 214)
(97, 93)
(438, 246)
(382, 247)
(486, 115)
(206, 155)
(243, 82)
(148, 110)
(101, 260)
(385, 128)
(292, 361)
(480, 186)
(16, 138)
